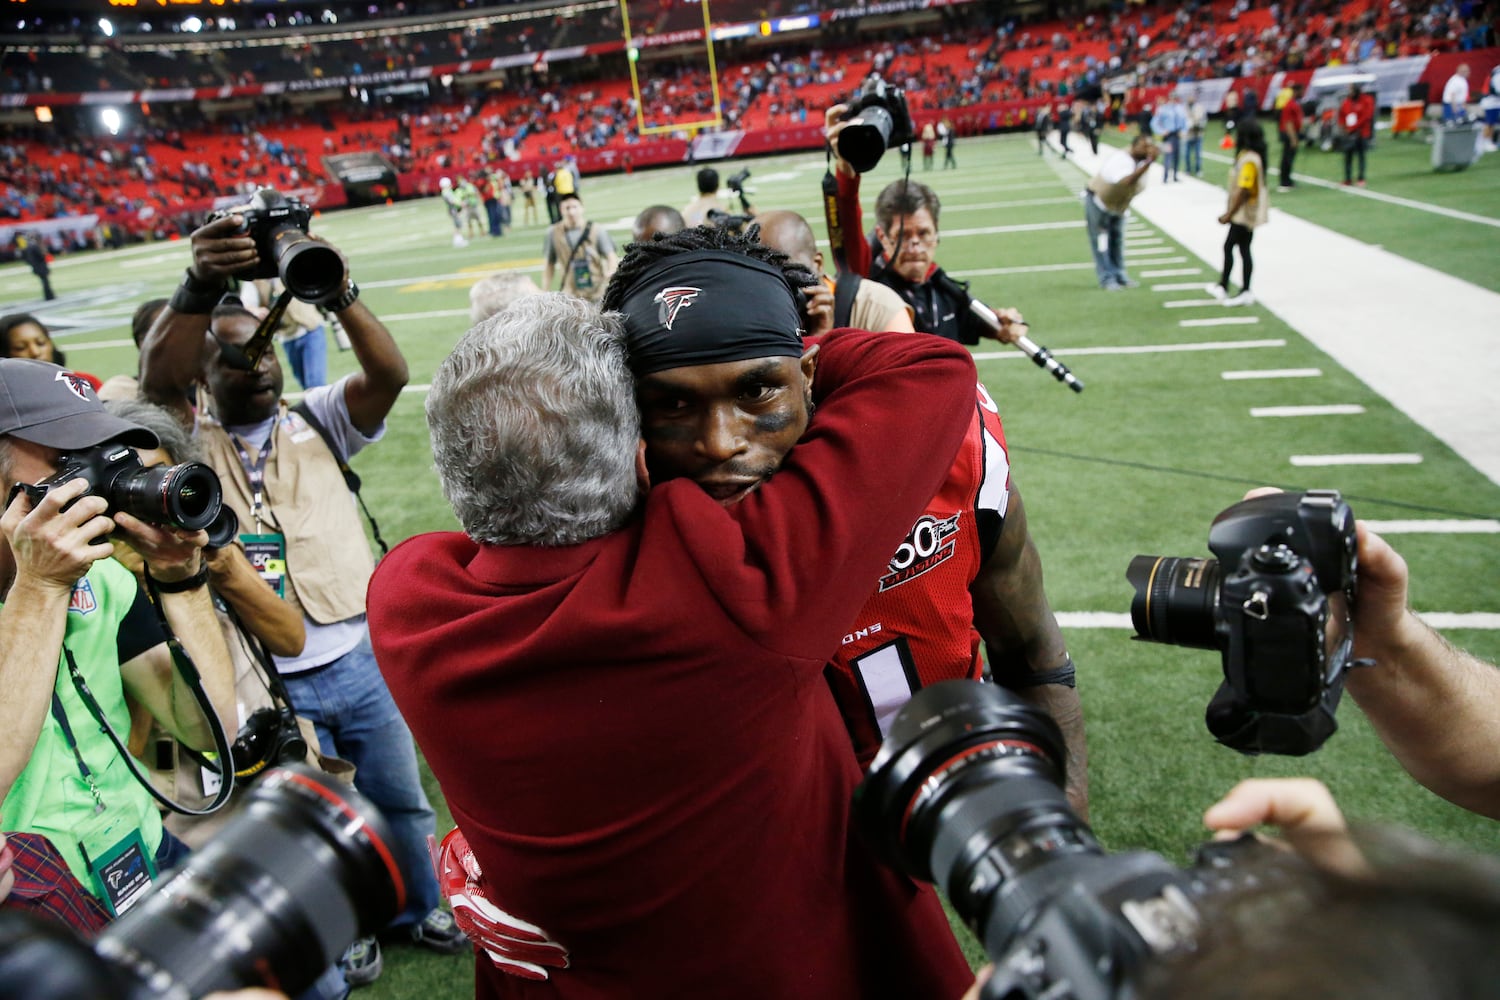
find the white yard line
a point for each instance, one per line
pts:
(1172, 272)
(1272, 373)
(1221, 321)
(1436, 526)
(1213, 345)
(1320, 461)
(1325, 410)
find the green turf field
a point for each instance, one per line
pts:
(1139, 463)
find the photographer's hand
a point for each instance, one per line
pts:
(1302, 810)
(819, 308)
(833, 124)
(1012, 326)
(171, 555)
(52, 547)
(220, 249)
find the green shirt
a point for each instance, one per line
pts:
(51, 797)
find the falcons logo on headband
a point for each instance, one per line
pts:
(673, 300)
(76, 385)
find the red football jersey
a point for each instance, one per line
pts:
(918, 627)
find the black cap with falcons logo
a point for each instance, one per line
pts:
(707, 307)
(48, 405)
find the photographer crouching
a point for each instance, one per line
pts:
(906, 221)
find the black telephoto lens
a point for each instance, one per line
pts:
(186, 496)
(305, 868)
(1176, 600)
(864, 142)
(311, 270)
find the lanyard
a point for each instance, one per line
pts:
(67, 731)
(255, 472)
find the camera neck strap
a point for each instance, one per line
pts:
(247, 356)
(185, 666)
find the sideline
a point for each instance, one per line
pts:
(1423, 339)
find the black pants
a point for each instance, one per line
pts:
(1239, 236)
(1354, 146)
(1288, 157)
(47, 292)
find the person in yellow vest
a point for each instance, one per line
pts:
(281, 469)
(1249, 208)
(579, 250)
(1121, 177)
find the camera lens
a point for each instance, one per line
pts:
(967, 792)
(42, 959)
(224, 528)
(186, 496)
(303, 869)
(312, 271)
(1176, 600)
(864, 140)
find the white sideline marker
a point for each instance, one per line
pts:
(1171, 272)
(1478, 526)
(1141, 241)
(1273, 373)
(1147, 251)
(1221, 321)
(1167, 260)
(1191, 303)
(1179, 286)
(1329, 410)
(1392, 458)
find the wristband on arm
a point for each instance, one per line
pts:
(194, 297)
(1066, 675)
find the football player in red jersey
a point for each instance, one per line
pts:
(968, 570)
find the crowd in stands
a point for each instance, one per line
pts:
(176, 156)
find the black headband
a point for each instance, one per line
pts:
(706, 307)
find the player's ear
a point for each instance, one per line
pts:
(810, 364)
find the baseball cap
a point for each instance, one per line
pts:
(48, 405)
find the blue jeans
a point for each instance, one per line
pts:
(1109, 261)
(1193, 155)
(355, 717)
(308, 356)
(1171, 156)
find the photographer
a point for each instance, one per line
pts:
(695, 212)
(282, 472)
(906, 217)
(74, 621)
(851, 301)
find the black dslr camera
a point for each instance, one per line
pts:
(312, 271)
(736, 184)
(967, 793)
(301, 871)
(1276, 604)
(270, 736)
(185, 496)
(884, 122)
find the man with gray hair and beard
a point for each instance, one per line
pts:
(621, 692)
